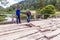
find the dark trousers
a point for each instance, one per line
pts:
(28, 19)
(18, 19)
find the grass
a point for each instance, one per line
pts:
(58, 12)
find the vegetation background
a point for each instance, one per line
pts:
(35, 5)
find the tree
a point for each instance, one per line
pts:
(41, 4)
(58, 5)
(47, 11)
(52, 2)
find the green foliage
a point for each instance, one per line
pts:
(52, 2)
(31, 4)
(41, 4)
(58, 5)
(2, 18)
(23, 16)
(47, 11)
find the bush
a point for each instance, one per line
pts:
(47, 11)
(32, 16)
(2, 18)
(23, 16)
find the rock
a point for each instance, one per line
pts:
(45, 29)
(53, 28)
(42, 24)
(58, 25)
(48, 29)
(43, 38)
(56, 38)
(36, 36)
(29, 25)
(19, 34)
(26, 39)
(53, 33)
(15, 30)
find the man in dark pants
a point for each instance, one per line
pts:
(18, 15)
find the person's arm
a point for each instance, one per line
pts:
(16, 13)
(30, 13)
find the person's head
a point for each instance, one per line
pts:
(27, 10)
(18, 7)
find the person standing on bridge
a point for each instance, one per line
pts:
(28, 15)
(18, 15)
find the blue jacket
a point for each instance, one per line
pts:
(18, 12)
